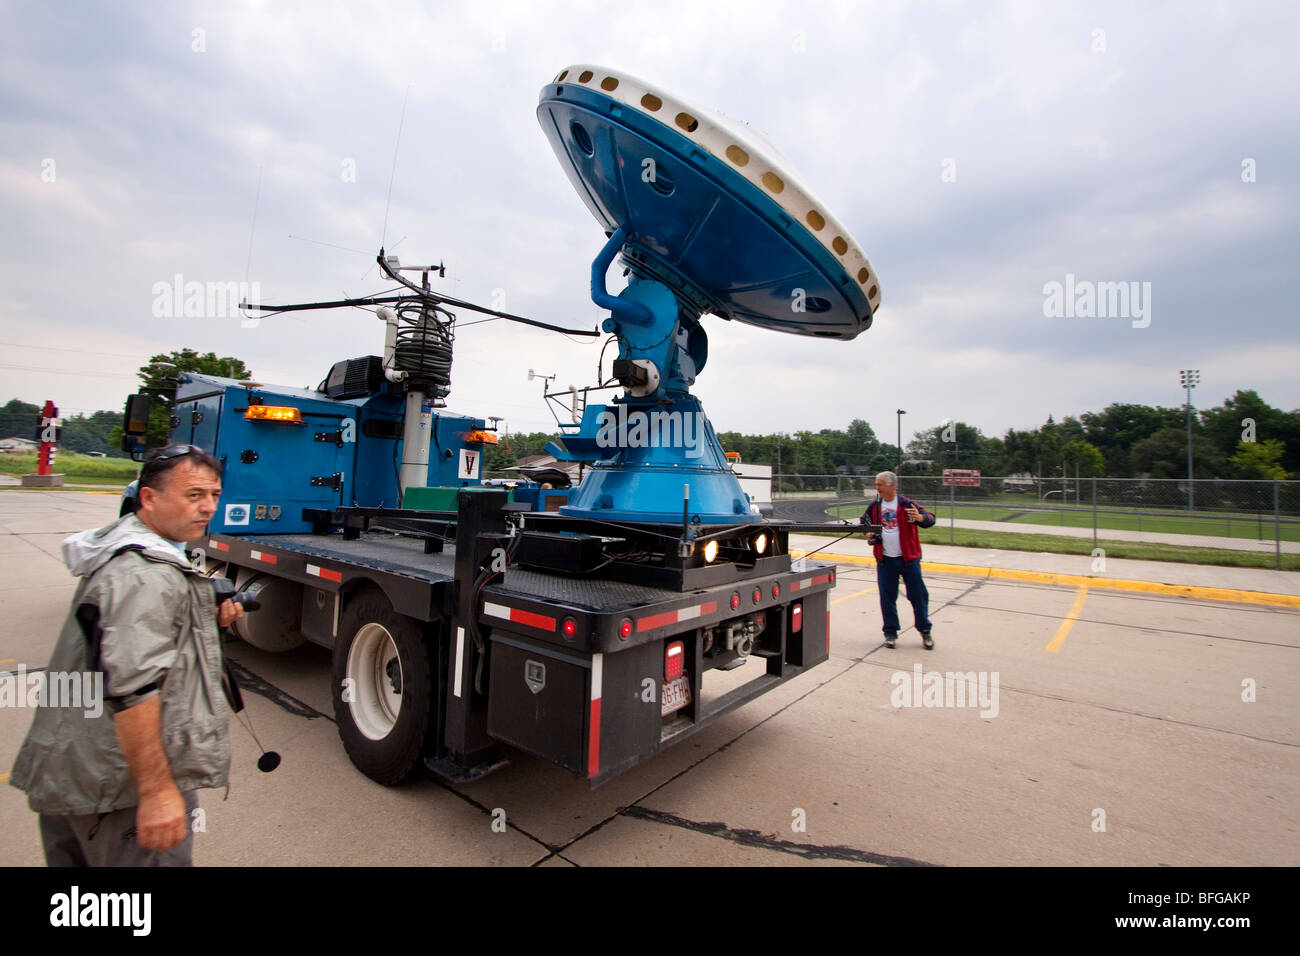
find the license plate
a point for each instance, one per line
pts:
(677, 694)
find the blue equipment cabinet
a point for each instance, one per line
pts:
(286, 449)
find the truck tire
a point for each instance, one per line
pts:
(382, 688)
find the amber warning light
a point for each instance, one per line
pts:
(273, 413)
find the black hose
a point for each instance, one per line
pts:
(424, 344)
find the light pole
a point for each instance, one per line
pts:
(898, 466)
(1189, 379)
(777, 476)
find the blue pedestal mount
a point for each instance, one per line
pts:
(706, 220)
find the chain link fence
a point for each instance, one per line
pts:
(1257, 510)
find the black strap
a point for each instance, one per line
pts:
(231, 686)
(87, 616)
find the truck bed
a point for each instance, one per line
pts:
(422, 586)
(404, 556)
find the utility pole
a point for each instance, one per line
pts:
(1189, 379)
(898, 466)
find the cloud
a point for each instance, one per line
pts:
(1115, 165)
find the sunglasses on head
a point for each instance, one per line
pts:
(176, 451)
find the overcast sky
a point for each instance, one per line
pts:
(976, 151)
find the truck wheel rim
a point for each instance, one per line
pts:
(375, 702)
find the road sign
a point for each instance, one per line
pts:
(962, 477)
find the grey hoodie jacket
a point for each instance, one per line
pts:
(157, 623)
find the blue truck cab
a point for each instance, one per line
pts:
(284, 450)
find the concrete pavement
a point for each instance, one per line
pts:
(1133, 729)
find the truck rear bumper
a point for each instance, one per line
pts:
(599, 713)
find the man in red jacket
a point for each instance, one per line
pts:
(898, 553)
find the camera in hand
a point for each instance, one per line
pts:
(225, 590)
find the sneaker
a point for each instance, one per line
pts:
(927, 640)
(891, 640)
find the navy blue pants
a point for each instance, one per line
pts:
(888, 571)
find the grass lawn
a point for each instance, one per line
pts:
(1137, 550)
(1219, 524)
(76, 469)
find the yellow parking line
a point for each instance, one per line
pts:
(1079, 580)
(850, 597)
(8, 660)
(1064, 630)
(4, 777)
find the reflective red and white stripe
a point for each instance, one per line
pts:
(325, 573)
(460, 657)
(677, 616)
(218, 545)
(593, 733)
(517, 616)
(267, 558)
(810, 582)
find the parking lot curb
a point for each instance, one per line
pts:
(1233, 595)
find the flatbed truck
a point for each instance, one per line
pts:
(438, 658)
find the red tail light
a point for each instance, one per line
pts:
(570, 627)
(758, 595)
(796, 618)
(735, 601)
(625, 629)
(674, 660)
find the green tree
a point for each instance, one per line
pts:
(994, 461)
(1244, 417)
(1164, 455)
(160, 382)
(1259, 460)
(813, 455)
(94, 432)
(1082, 459)
(1047, 449)
(1248, 418)
(19, 419)
(1070, 429)
(512, 448)
(862, 438)
(1018, 451)
(1115, 431)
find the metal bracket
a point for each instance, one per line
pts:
(335, 437)
(334, 481)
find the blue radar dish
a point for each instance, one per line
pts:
(710, 209)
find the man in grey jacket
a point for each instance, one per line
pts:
(115, 785)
